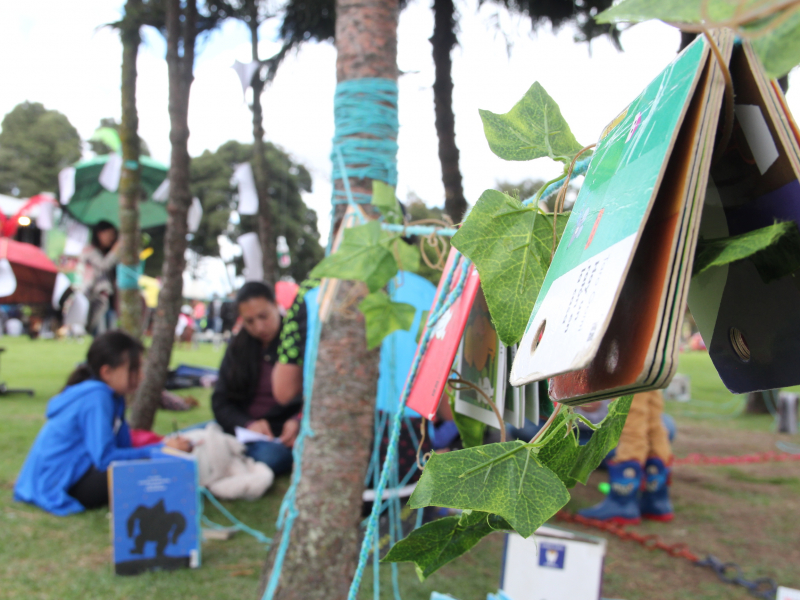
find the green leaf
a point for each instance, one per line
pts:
(532, 129)
(775, 251)
(384, 317)
(363, 255)
(603, 440)
(504, 479)
(511, 247)
(471, 430)
(561, 452)
(406, 255)
(384, 199)
(778, 48)
(437, 543)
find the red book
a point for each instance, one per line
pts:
(434, 369)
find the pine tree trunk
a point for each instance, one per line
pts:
(266, 233)
(325, 539)
(130, 300)
(180, 36)
(443, 41)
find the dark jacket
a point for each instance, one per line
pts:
(236, 388)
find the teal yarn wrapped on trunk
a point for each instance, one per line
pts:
(365, 113)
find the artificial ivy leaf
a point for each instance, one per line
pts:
(437, 543)
(532, 129)
(574, 463)
(362, 255)
(471, 430)
(384, 199)
(603, 440)
(406, 255)
(561, 452)
(384, 316)
(775, 251)
(504, 479)
(778, 48)
(511, 247)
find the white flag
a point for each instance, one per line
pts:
(162, 192)
(112, 170)
(251, 252)
(245, 71)
(66, 184)
(77, 237)
(44, 220)
(194, 215)
(248, 196)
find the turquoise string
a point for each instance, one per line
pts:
(365, 113)
(579, 169)
(128, 277)
(236, 522)
(443, 302)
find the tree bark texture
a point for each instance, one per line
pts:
(443, 41)
(325, 538)
(130, 300)
(181, 33)
(266, 232)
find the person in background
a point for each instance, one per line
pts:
(97, 265)
(255, 390)
(65, 470)
(185, 327)
(642, 461)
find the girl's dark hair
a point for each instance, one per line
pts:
(97, 229)
(245, 351)
(111, 348)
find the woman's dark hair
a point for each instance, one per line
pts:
(255, 289)
(99, 228)
(111, 348)
(245, 351)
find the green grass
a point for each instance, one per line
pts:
(42, 556)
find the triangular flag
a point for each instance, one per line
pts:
(162, 192)
(245, 71)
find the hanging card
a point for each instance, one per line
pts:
(482, 361)
(435, 366)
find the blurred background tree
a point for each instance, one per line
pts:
(35, 144)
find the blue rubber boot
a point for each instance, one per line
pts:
(622, 503)
(655, 504)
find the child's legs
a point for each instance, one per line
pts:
(657, 433)
(633, 444)
(91, 490)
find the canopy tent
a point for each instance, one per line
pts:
(35, 274)
(91, 202)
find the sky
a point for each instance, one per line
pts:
(67, 60)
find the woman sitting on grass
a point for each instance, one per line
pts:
(65, 471)
(259, 389)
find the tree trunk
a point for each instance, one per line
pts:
(756, 404)
(443, 41)
(266, 233)
(324, 541)
(130, 300)
(180, 36)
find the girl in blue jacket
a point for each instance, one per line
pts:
(65, 471)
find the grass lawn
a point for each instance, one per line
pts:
(42, 556)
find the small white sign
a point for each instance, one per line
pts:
(785, 593)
